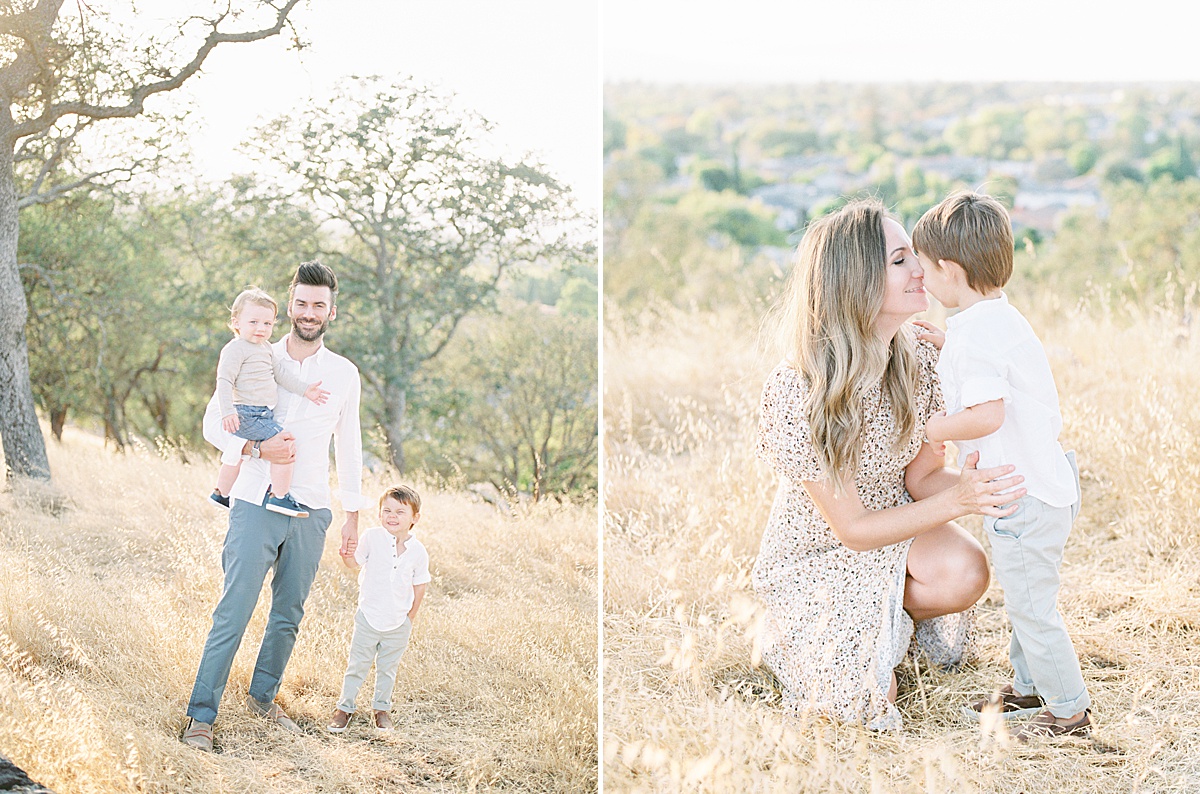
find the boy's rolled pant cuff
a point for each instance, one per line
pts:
(1024, 688)
(1071, 707)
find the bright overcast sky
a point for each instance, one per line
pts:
(531, 67)
(705, 41)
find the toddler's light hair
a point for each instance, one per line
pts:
(252, 295)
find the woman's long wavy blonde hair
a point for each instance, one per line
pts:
(826, 326)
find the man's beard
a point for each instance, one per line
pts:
(310, 336)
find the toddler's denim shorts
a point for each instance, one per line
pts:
(257, 423)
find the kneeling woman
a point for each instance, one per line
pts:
(861, 542)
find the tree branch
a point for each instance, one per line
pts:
(138, 96)
(61, 190)
(25, 150)
(56, 156)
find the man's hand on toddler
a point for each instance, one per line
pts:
(280, 448)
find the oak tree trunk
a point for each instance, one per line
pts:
(24, 446)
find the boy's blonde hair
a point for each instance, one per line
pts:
(404, 495)
(252, 295)
(973, 230)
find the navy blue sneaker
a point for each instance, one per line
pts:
(286, 505)
(216, 500)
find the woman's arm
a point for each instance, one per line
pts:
(860, 529)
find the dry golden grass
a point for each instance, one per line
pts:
(105, 606)
(686, 707)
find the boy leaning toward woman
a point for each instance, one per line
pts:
(1001, 402)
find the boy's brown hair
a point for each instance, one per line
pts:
(404, 495)
(973, 230)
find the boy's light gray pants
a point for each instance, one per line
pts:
(1027, 551)
(382, 647)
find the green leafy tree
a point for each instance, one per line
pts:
(61, 74)
(104, 321)
(579, 298)
(528, 419)
(1083, 156)
(994, 132)
(1173, 161)
(431, 223)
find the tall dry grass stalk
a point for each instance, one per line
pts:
(105, 606)
(687, 707)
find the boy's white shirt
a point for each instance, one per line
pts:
(312, 425)
(992, 353)
(385, 583)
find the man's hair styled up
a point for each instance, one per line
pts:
(314, 274)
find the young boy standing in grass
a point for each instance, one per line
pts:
(1001, 401)
(394, 573)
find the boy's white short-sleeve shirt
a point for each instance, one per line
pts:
(385, 583)
(992, 353)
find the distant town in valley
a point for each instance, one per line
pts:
(771, 157)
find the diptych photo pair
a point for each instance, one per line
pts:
(599, 397)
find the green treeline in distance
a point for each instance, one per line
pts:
(468, 293)
(707, 189)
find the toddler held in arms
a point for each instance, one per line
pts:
(247, 376)
(1001, 401)
(391, 585)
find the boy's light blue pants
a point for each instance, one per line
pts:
(382, 647)
(257, 541)
(1027, 551)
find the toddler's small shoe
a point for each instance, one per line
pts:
(216, 500)
(286, 505)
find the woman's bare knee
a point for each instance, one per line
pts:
(972, 582)
(948, 570)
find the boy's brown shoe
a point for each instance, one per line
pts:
(1045, 726)
(339, 721)
(1006, 703)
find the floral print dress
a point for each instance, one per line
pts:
(836, 625)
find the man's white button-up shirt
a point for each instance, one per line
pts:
(313, 425)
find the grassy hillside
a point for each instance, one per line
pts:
(688, 708)
(105, 604)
